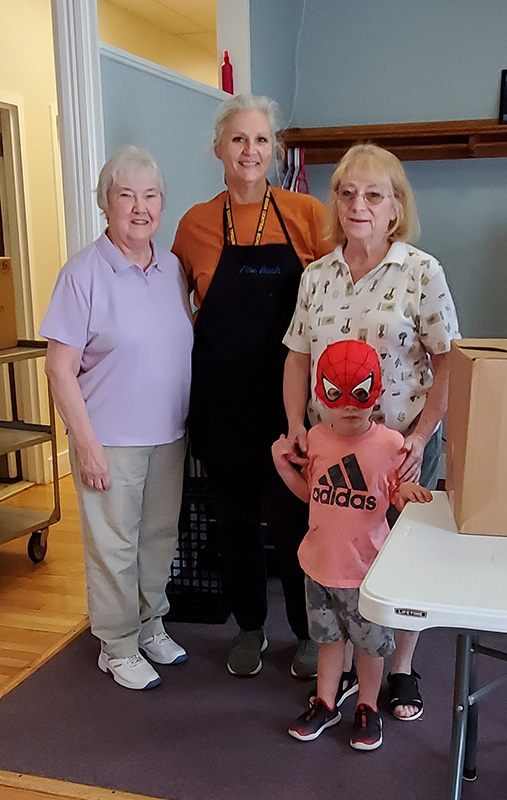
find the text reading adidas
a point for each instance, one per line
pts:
(344, 485)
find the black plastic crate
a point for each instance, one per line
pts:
(195, 587)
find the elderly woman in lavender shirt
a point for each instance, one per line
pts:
(118, 360)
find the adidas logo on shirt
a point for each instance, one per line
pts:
(344, 485)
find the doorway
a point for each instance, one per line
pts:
(18, 469)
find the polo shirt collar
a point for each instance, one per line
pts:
(396, 254)
(116, 259)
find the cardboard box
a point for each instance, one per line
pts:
(8, 333)
(476, 454)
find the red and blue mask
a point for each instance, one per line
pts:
(348, 374)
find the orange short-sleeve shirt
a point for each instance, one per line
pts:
(199, 239)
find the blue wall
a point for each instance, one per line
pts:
(374, 61)
(172, 121)
(380, 61)
(273, 34)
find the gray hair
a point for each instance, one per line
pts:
(249, 102)
(121, 161)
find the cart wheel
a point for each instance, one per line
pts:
(38, 545)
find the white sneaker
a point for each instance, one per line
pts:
(133, 672)
(161, 649)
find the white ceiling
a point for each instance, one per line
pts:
(192, 20)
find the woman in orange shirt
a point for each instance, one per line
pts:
(244, 252)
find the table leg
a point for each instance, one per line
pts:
(460, 715)
(470, 764)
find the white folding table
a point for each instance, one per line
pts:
(427, 575)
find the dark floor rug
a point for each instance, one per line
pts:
(206, 735)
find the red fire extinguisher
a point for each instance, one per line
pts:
(227, 74)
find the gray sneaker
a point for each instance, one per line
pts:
(245, 656)
(304, 663)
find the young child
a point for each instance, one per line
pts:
(349, 478)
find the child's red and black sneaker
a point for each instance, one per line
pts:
(315, 719)
(367, 729)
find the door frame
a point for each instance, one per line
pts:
(16, 217)
(81, 127)
(16, 224)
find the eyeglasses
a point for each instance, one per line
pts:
(371, 198)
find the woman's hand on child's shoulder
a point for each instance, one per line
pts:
(284, 453)
(298, 437)
(412, 493)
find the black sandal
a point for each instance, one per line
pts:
(348, 686)
(404, 691)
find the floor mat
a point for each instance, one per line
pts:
(206, 735)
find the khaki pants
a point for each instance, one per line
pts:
(129, 537)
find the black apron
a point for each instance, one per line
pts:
(238, 355)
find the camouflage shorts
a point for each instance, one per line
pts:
(333, 615)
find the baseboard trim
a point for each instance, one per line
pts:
(63, 464)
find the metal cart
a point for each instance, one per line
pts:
(15, 435)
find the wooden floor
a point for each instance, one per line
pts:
(27, 787)
(42, 608)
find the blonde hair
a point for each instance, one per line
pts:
(370, 157)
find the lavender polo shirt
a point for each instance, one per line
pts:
(135, 330)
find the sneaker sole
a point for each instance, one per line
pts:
(107, 670)
(305, 677)
(313, 736)
(253, 672)
(364, 747)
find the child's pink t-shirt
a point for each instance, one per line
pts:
(351, 480)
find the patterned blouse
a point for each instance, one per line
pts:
(402, 307)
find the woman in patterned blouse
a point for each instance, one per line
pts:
(377, 288)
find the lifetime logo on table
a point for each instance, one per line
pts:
(410, 612)
(340, 482)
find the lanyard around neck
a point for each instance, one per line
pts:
(260, 225)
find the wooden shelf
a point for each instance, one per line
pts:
(24, 349)
(12, 439)
(16, 522)
(411, 141)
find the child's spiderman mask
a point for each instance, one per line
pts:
(348, 374)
